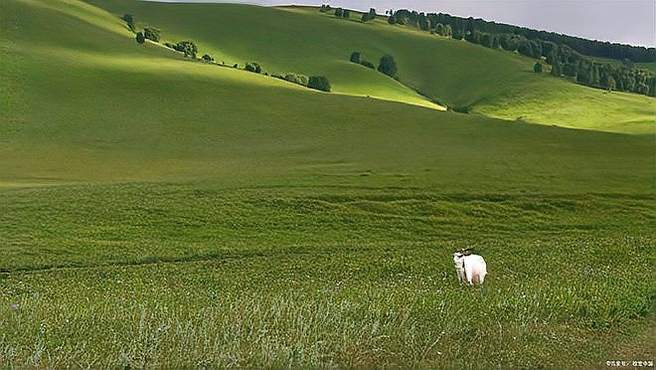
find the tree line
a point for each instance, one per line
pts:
(346, 13)
(386, 65)
(565, 60)
(587, 47)
(190, 50)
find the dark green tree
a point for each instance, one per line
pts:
(651, 83)
(570, 70)
(423, 22)
(319, 83)
(355, 57)
(366, 17)
(152, 34)
(140, 37)
(556, 68)
(596, 79)
(391, 19)
(495, 42)
(439, 29)
(537, 68)
(448, 31)
(129, 19)
(525, 48)
(253, 67)
(387, 65)
(296, 78)
(367, 64)
(208, 58)
(612, 85)
(487, 40)
(189, 48)
(339, 12)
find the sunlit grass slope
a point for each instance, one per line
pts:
(456, 73)
(92, 105)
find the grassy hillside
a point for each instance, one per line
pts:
(457, 73)
(159, 212)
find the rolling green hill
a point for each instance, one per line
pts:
(162, 212)
(456, 73)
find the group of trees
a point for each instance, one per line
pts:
(356, 57)
(129, 19)
(567, 62)
(190, 49)
(564, 59)
(387, 64)
(443, 30)
(149, 33)
(319, 83)
(366, 17)
(296, 78)
(342, 13)
(621, 77)
(462, 26)
(346, 13)
(253, 67)
(313, 82)
(537, 67)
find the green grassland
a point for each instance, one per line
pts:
(160, 212)
(453, 72)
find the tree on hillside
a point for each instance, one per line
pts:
(253, 67)
(439, 29)
(152, 34)
(487, 40)
(612, 85)
(448, 31)
(367, 64)
(129, 19)
(651, 83)
(355, 57)
(570, 70)
(346, 14)
(525, 48)
(423, 22)
(537, 68)
(339, 12)
(208, 58)
(556, 68)
(366, 17)
(391, 19)
(596, 79)
(387, 65)
(189, 48)
(319, 83)
(140, 38)
(296, 78)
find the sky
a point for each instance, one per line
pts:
(624, 21)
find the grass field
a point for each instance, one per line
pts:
(455, 73)
(159, 212)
